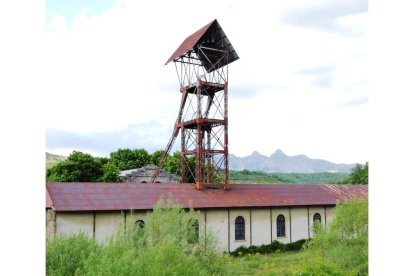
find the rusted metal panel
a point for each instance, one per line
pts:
(346, 192)
(189, 42)
(49, 202)
(123, 196)
(193, 40)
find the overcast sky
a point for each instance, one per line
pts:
(300, 84)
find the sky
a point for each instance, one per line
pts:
(83, 74)
(300, 85)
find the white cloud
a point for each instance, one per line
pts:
(106, 72)
(56, 22)
(356, 23)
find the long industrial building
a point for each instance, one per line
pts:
(248, 214)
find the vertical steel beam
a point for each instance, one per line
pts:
(208, 155)
(199, 153)
(226, 142)
(182, 156)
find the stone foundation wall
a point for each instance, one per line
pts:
(50, 223)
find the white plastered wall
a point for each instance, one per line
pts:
(217, 223)
(73, 223)
(261, 226)
(329, 215)
(299, 223)
(137, 215)
(106, 224)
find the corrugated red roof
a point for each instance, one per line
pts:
(202, 36)
(49, 202)
(189, 42)
(126, 196)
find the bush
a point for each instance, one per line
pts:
(344, 243)
(165, 246)
(269, 248)
(296, 246)
(66, 254)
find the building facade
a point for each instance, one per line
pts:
(247, 215)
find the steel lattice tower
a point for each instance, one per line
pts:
(201, 63)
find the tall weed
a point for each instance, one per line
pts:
(165, 246)
(66, 254)
(344, 243)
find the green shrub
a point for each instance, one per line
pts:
(295, 246)
(66, 254)
(269, 248)
(165, 246)
(344, 243)
(275, 246)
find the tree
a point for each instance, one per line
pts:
(78, 167)
(102, 160)
(359, 175)
(156, 157)
(126, 159)
(110, 173)
(172, 165)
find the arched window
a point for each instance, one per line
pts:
(317, 216)
(280, 226)
(140, 223)
(239, 228)
(193, 230)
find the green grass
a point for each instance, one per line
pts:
(287, 263)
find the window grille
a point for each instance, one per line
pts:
(239, 228)
(317, 216)
(280, 226)
(140, 223)
(193, 229)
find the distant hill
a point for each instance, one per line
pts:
(246, 176)
(52, 159)
(280, 162)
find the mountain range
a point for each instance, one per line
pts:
(280, 162)
(277, 162)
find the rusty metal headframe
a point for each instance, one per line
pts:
(201, 63)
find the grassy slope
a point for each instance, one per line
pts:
(53, 159)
